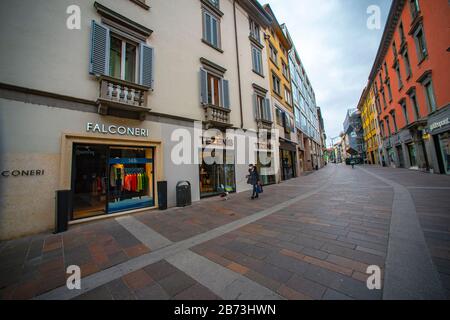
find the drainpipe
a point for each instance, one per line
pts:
(238, 65)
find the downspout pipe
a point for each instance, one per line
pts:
(238, 65)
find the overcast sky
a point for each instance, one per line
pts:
(336, 48)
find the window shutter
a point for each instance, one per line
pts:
(99, 63)
(268, 109)
(203, 86)
(146, 65)
(226, 94)
(255, 107)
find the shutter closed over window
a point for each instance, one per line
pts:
(267, 109)
(203, 87)
(99, 63)
(146, 66)
(255, 106)
(226, 94)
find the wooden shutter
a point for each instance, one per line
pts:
(268, 109)
(99, 63)
(203, 86)
(146, 66)
(226, 94)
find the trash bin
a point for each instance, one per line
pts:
(183, 194)
(63, 209)
(162, 195)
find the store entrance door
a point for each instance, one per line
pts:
(89, 183)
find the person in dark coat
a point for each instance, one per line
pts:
(253, 179)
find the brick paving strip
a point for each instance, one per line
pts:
(410, 272)
(98, 279)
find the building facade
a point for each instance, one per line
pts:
(103, 110)
(371, 133)
(278, 46)
(354, 137)
(410, 79)
(306, 117)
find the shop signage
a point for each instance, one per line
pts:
(22, 173)
(116, 130)
(439, 124)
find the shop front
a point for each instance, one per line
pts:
(217, 168)
(288, 156)
(110, 179)
(439, 137)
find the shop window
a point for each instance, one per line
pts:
(217, 178)
(111, 179)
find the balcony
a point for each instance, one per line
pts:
(217, 117)
(116, 94)
(264, 124)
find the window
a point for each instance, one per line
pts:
(120, 57)
(382, 132)
(279, 116)
(394, 50)
(388, 84)
(399, 76)
(255, 31)
(405, 56)
(415, 9)
(377, 103)
(415, 106)
(263, 109)
(421, 46)
(429, 92)
(215, 3)
(214, 89)
(273, 54)
(276, 84)
(388, 127)
(394, 120)
(257, 60)
(386, 75)
(287, 95)
(285, 70)
(405, 112)
(211, 29)
(402, 33)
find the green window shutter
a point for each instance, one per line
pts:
(99, 64)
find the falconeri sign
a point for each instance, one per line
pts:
(117, 130)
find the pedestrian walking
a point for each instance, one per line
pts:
(253, 179)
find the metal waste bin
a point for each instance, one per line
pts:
(63, 209)
(183, 194)
(162, 195)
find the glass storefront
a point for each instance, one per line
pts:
(287, 161)
(110, 179)
(444, 146)
(412, 154)
(401, 160)
(216, 178)
(265, 170)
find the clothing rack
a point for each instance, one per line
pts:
(134, 170)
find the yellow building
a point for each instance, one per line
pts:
(369, 120)
(278, 46)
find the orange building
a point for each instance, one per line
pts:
(411, 77)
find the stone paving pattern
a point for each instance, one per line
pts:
(316, 248)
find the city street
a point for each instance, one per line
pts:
(312, 237)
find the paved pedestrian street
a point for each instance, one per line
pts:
(312, 237)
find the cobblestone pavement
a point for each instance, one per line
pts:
(312, 237)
